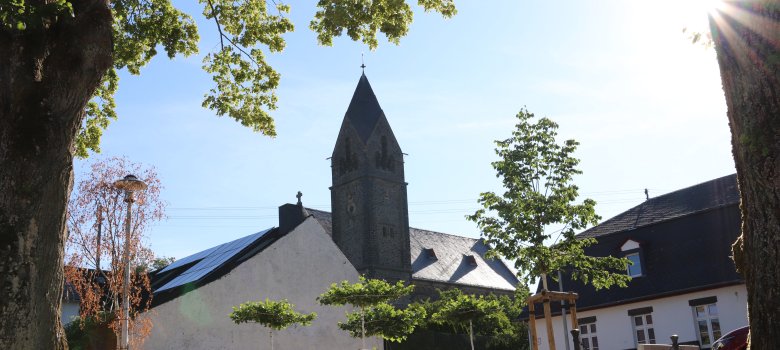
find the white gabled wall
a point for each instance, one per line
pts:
(671, 315)
(69, 311)
(298, 267)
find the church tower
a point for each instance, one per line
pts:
(368, 196)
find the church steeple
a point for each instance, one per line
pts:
(364, 110)
(368, 196)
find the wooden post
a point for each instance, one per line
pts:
(573, 308)
(532, 323)
(548, 320)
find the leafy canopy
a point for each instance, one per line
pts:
(244, 83)
(386, 321)
(365, 293)
(537, 174)
(276, 315)
(376, 315)
(489, 315)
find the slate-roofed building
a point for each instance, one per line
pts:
(366, 233)
(441, 260)
(684, 281)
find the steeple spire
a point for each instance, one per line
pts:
(364, 110)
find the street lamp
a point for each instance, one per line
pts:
(130, 184)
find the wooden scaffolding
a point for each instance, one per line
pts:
(545, 297)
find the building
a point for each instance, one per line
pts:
(367, 233)
(684, 281)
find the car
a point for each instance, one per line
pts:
(734, 340)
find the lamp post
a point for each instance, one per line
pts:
(130, 184)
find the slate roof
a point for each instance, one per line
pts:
(704, 196)
(364, 110)
(685, 242)
(451, 264)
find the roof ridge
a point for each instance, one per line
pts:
(717, 179)
(445, 233)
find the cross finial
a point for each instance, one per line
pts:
(362, 63)
(299, 195)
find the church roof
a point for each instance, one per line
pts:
(364, 110)
(446, 258)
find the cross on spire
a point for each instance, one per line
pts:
(362, 63)
(299, 195)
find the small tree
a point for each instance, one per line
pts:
(275, 315)
(376, 316)
(96, 244)
(537, 174)
(462, 311)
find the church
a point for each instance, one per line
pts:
(366, 233)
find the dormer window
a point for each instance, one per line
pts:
(471, 260)
(430, 254)
(635, 268)
(632, 251)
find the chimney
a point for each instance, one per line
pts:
(291, 215)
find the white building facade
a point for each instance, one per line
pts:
(199, 318)
(715, 312)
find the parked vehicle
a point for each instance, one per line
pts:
(734, 340)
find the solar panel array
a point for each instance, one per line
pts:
(207, 260)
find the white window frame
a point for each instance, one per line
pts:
(590, 332)
(646, 329)
(707, 317)
(638, 264)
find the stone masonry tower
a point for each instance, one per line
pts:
(368, 196)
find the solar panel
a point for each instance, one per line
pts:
(208, 260)
(189, 259)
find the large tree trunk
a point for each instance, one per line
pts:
(746, 36)
(48, 73)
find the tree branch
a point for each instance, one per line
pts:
(219, 26)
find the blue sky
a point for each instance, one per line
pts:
(618, 76)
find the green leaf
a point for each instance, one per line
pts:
(365, 293)
(385, 321)
(244, 83)
(276, 315)
(537, 172)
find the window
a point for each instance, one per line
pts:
(471, 260)
(642, 322)
(705, 317)
(634, 269)
(588, 336)
(632, 250)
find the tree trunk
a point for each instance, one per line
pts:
(746, 36)
(48, 73)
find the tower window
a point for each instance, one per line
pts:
(384, 160)
(349, 161)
